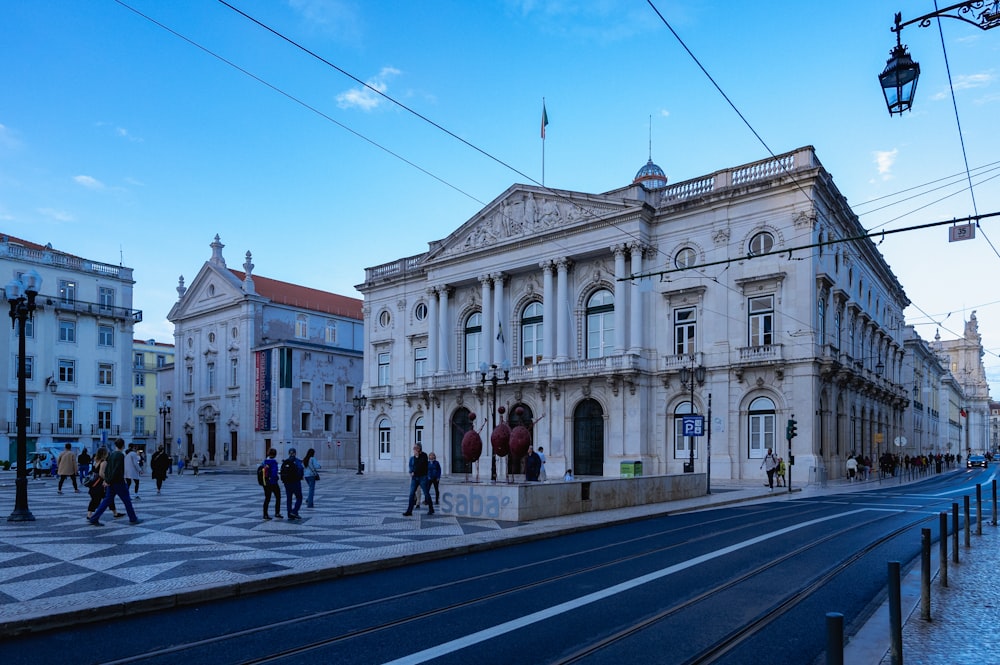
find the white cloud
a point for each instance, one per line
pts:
(884, 160)
(967, 82)
(88, 182)
(664, 113)
(57, 215)
(366, 98)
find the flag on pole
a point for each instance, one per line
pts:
(545, 119)
(500, 330)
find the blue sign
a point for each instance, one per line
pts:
(693, 425)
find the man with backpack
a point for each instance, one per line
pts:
(291, 473)
(267, 477)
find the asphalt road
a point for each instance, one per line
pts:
(743, 584)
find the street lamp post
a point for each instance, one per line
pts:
(21, 296)
(689, 376)
(164, 412)
(494, 379)
(360, 401)
(899, 78)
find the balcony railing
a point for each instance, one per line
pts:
(760, 354)
(93, 308)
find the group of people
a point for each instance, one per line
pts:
(290, 473)
(775, 468)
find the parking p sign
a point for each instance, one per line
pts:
(693, 425)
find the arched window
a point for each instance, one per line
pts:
(531, 333)
(600, 324)
(473, 341)
(384, 439)
(685, 258)
(762, 243)
(681, 450)
(760, 427)
(418, 430)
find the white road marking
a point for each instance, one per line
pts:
(515, 624)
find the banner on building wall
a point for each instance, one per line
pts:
(262, 391)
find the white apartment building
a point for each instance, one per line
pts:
(261, 363)
(600, 305)
(78, 350)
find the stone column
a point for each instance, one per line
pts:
(548, 311)
(562, 310)
(635, 303)
(499, 346)
(444, 331)
(619, 252)
(485, 351)
(432, 331)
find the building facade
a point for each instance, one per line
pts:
(964, 357)
(150, 415)
(609, 317)
(261, 363)
(78, 350)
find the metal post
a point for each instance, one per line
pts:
(708, 449)
(22, 305)
(925, 574)
(360, 402)
(943, 547)
(954, 532)
(979, 509)
(968, 526)
(834, 638)
(895, 616)
(994, 502)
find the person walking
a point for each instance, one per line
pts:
(114, 478)
(194, 464)
(433, 479)
(542, 476)
(779, 473)
(291, 474)
(311, 474)
(769, 464)
(159, 466)
(133, 469)
(852, 468)
(271, 484)
(180, 465)
(83, 462)
(418, 478)
(67, 468)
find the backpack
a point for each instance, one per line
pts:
(289, 471)
(262, 475)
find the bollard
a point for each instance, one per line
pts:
(979, 509)
(834, 638)
(968, 527)
(925, 574)
(994, 502)
(954, 532)
(896, 609)
(943, 546)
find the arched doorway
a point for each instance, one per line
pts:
(460, 424)
(588, 439)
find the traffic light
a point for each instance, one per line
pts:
(790, 429)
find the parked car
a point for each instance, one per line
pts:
(976, 460)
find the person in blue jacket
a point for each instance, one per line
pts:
(433, 478)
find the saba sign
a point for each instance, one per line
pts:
(466, 502)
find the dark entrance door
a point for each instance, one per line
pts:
(232, 446)
(211, 442)
(460, 424)
(588, 439)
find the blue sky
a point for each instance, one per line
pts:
(123, 142)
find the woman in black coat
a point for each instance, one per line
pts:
(532, 465)
(160, 464)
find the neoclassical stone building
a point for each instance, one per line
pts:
(262, 363)
(599, 306)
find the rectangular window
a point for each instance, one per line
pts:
(67, 291)
(105, 336)
(67, 331)
(761, 430)
(140, 424)
(349, 423)
(29, 367)
(761, 321)
(140, 401)
(821, 320)
(140, 378)
(29, 329)
(105, 374)
(104, 415)
(685, 325)
(67, 371)
(138, 360)
(328, 392)
(106, 299)
(307, 390)
(65, 410)
(161, 360)
(302, 327)
(234, 372)
(419, 361)
(327, 422)
(383, 369)
(210, 378)
(331, 332)
(304, 421)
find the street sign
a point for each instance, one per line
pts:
(693, 425)
(961, 232)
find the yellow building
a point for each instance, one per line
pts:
(150, 409)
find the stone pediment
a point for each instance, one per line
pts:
(524, 212)
(213, 287)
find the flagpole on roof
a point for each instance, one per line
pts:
(545, 121)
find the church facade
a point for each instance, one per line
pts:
(598, 321)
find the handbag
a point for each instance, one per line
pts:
(92, 478)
